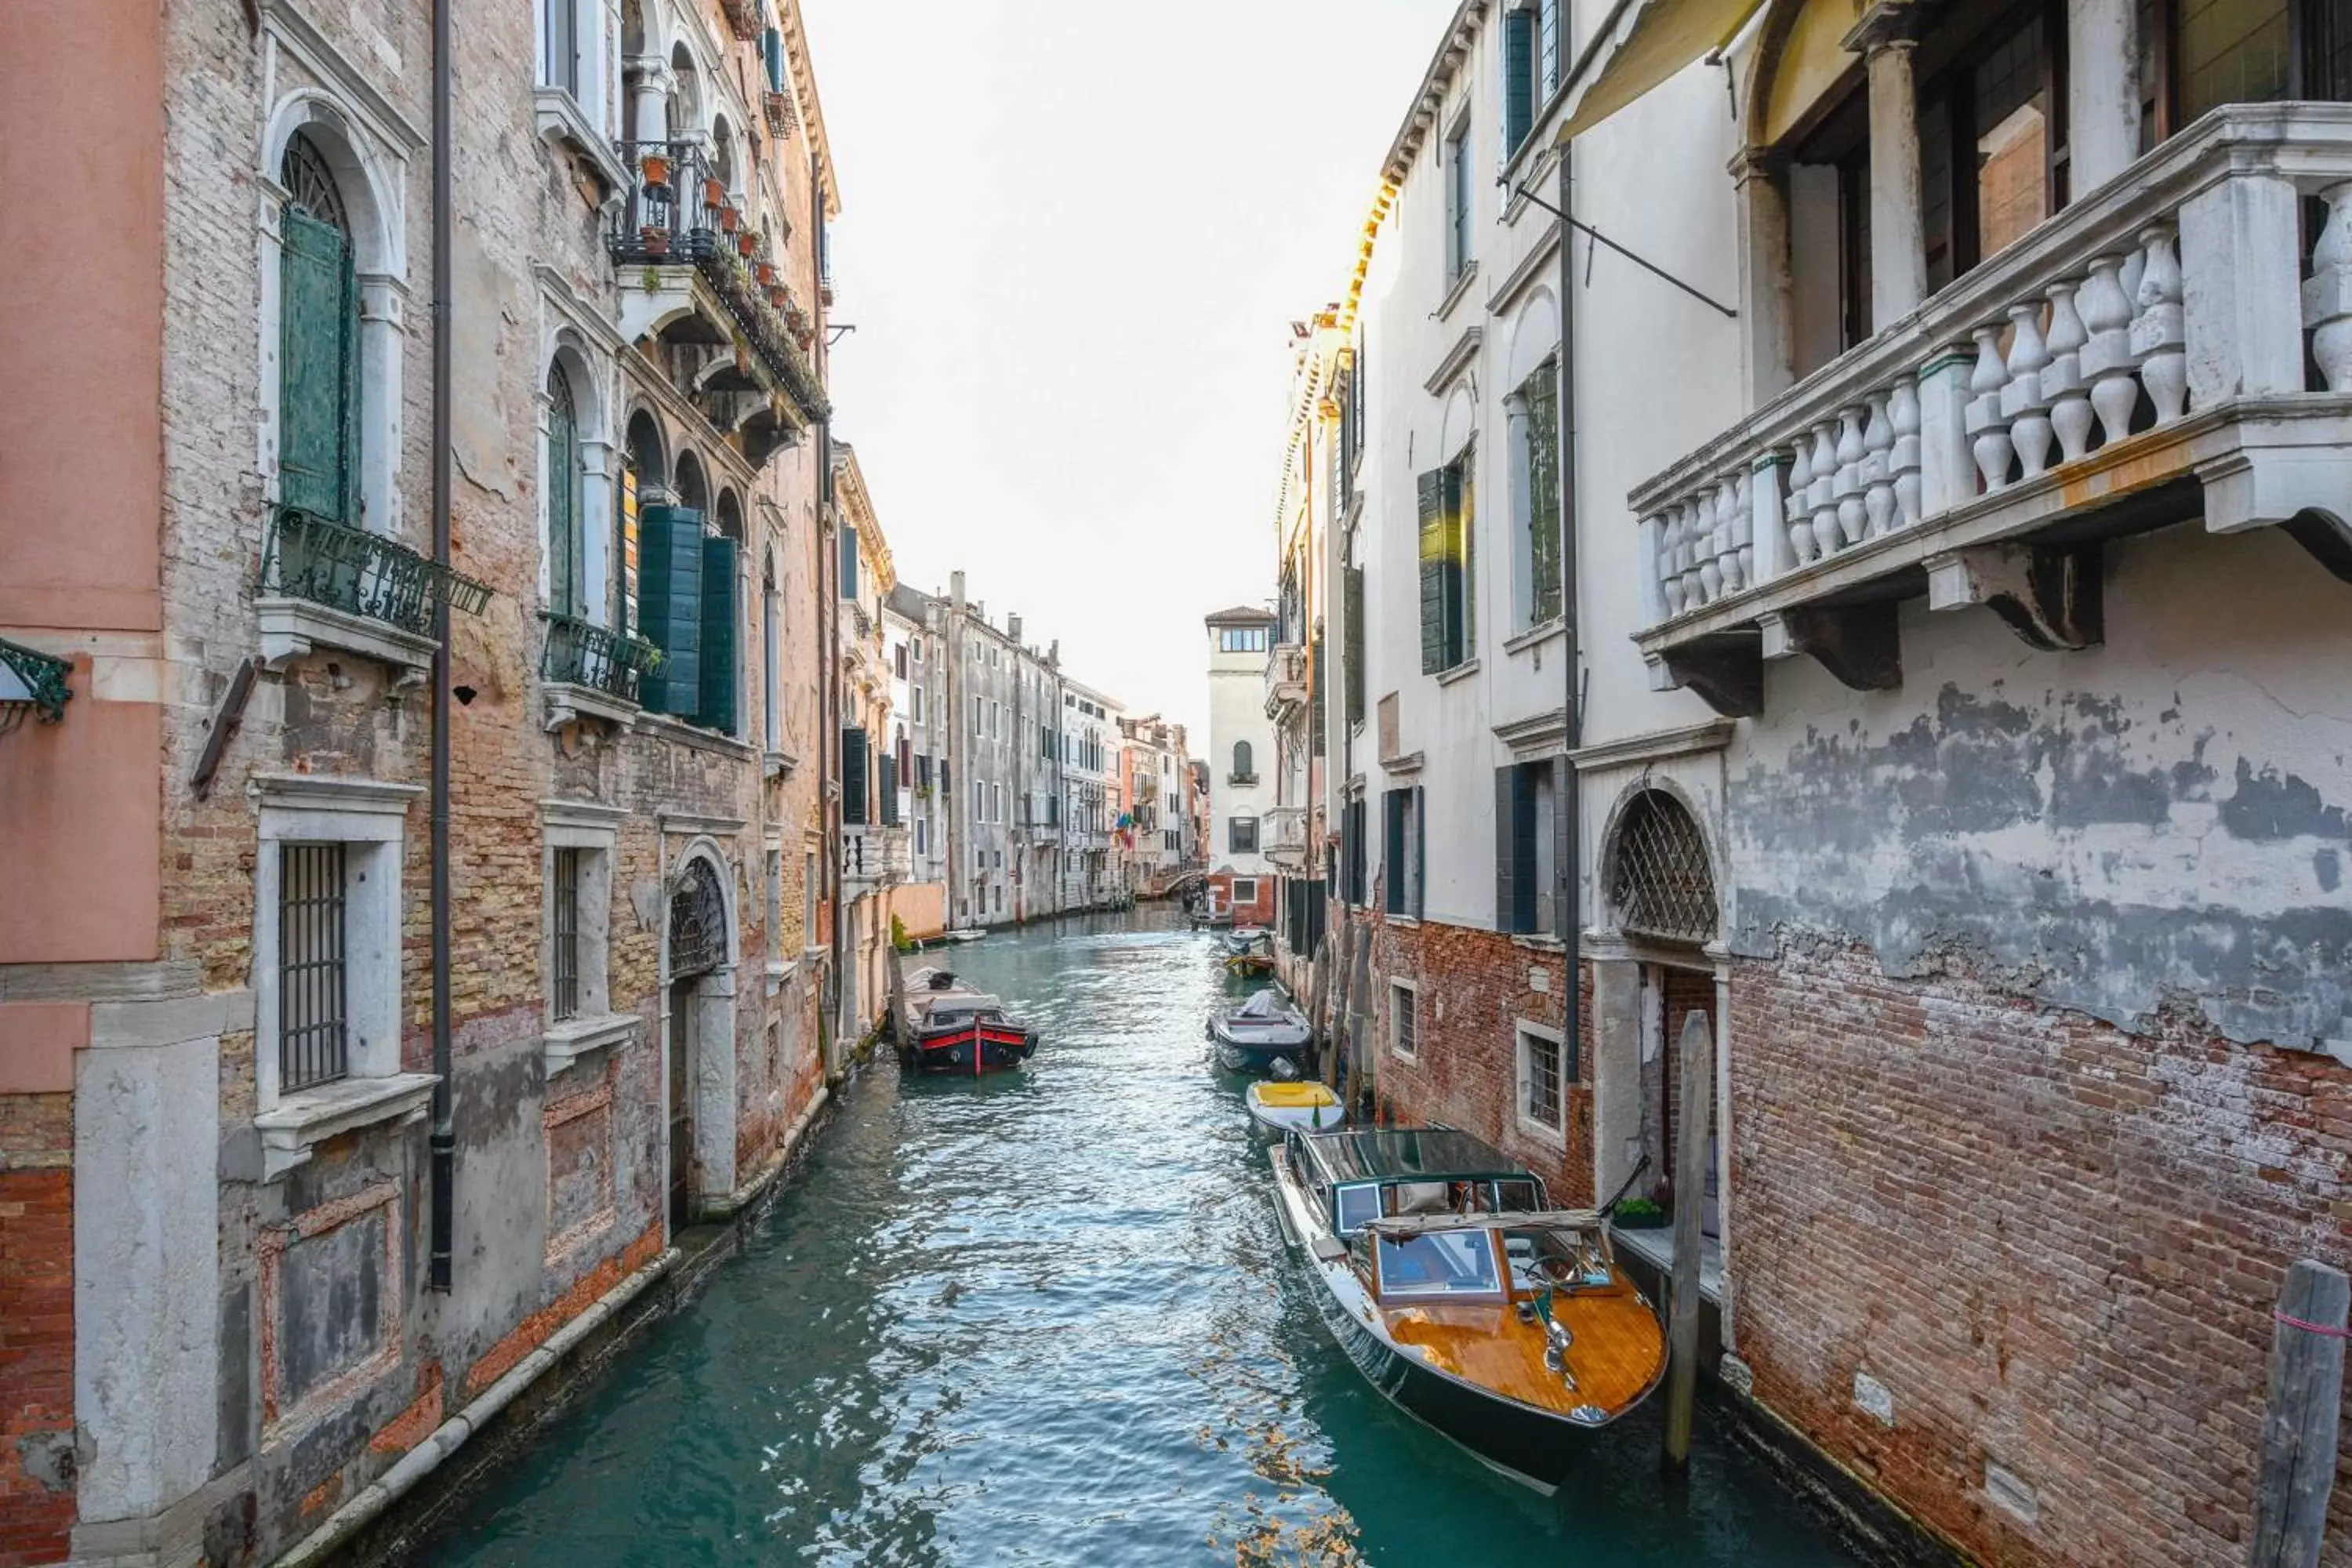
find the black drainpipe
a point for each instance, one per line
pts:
(831, 653)
(1572, 800)
(445, 1134)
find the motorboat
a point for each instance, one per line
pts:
(1281, 1108)
(950, 1027)
(1248, 952)
(1464, 1298)
(1263, 1035)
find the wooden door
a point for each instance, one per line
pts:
(681, 1104)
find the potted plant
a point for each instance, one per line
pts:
(746, 243)
(656, 171)
(767, 275)
(729, 217)
(776, 295)
(1639, 1214)
(714, 194)
(655, 238)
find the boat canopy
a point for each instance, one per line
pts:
(1425, 1154)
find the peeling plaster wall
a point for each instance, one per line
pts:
(2163, 817)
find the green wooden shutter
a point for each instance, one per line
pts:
(890, 790)
(1543, 492)
(852, 777)
(1507, 850)
(1315, 660)
(771, 47)
(318, 369)
(1420, 852)
(1563, 850)
(849, 560)
(1351, 637)
(563, 542)
(715, 708)
(1392, 804)
(1518, 78)
(1431, 488)
(669, 601)
(1461, 589)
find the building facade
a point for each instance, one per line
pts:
(1677, 699)
(1089, 790)
(920, 902)
(1241, 878)
(875, 863)
(440, 724)
(1151, 849)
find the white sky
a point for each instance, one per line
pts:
(1073, 238)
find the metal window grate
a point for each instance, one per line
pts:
(1543, 1080)
(1660, 882)
(313, 1024)
(567, 934)
(1404, 1005)
(698, 922)
(308, 179)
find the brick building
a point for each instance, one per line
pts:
(279, 1190)
(1656, 587)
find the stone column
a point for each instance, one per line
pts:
(1768, 341)
(383, 332)
(597, 568)
(1898, 248)
(649, 85)
(2102, 91)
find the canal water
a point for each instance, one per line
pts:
(1047, 1318)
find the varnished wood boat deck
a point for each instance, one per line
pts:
(1618, 1353)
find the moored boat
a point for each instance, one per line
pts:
(1281, 1108)
(1248, 952)
(1263, 1035)
(950, 1027)
(1464, 1298)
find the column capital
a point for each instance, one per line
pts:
(1889, 25)
(649, 72)
(1752, 164)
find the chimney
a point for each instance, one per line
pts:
(1053, 653)
(955, 588)
(1012, 627)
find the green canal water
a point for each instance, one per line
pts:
(1047, 1318)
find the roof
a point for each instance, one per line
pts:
(911, 602)
(1453, 48)
(1427, 1153)
(1242, 616)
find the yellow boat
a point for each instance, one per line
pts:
(1281, 1108)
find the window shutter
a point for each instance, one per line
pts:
(1420, 852)
(716, 709)
(669, 603)
(1543, 491)
(1392, 849)
(852, 777)
(1351, 637)
(771, 45)
(318, 369)
(944, 782)
(1507, 849)
(1518, 78)
(1563, 849)
(890, 790)
(1431, 497)
(1458, 586)
(1315, 660)
(849, 560)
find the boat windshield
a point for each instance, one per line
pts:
(1556, 1259)
(1358, 1205)
(1443, 1263)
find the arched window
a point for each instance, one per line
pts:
(1659, 882)
(566, 546)
(319, 342)
(686, 101)
(698, 922)
(1242, 759)
(691, 489)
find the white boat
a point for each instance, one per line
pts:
(1281, 1108)
(1263, 1035)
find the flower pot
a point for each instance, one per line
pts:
(746, 243)
(728, 218)
(776, 298)
(714, 194)
(654, 239)
(767, 275)
(656, 169)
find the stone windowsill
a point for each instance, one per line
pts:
(560, 119)
(1537, 636)
(568, 703)
(1402, 922)
(294, 629)
(1534, 942)
(1550, 1137)
(565, 1043)
(778, 764)
(1459, 289)
(1403, 763)
(664, 727)
(1462, 672)
(301, 1122)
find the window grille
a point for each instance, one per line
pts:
(698, 924)
(304, 173)
(313, 1014)
(1542, 1056)
(1404, 1005)
(1660, 882)
(567, 934)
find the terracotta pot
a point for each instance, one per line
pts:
(776, 297)
(657, 168)
(654, 239)
(728, 218)
(767, 274)
(746, 243)
(714, 194)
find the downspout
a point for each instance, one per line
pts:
(832, 665)
(1572, 792)
(442, 1144)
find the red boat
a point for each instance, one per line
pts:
(950, 1027)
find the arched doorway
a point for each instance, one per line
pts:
(699, 953)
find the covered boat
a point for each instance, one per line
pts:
(950, 1027)
(1263, 1035)
(1464, 1298)
(1248, 952)
(1281, 1108)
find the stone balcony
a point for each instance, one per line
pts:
(1284, 837)
(874, 857)
(2152, 355)
(1285, 680)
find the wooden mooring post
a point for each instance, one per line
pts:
(2300, 1422)
(1694, 1074)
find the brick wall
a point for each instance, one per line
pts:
(37, 1345)
(2052, 1246)
(1474, 988)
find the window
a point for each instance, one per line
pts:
(1542, 1078)
(1405, 1018)
(978, 801)
(1351, 854)
(1443, 1263)
(319, 347)
(922, 835)
(808, 898)
(559, 64)
(1535, 436)
(975, 715)
(313, 1044)
(1244, 770)
(1457, 206)
(1241, 639)
(565, 937)
(996, 899)
(565, 541)
(1530, 893)
(1446, 567)
(899, 656)
(853, 787)
(1518, 78)
(1987, 151)
(775, 867)
(1547, 49)
(996, 801)
(917, 697)
(1240, 835)
(1244, 890)
(1352, 642)
(1401, 862)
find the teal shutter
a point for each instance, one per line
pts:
(890, 790)
(1543, 492)
(318, 369)
(1518, 78)
(563, 542)
(1420, 852)
(670, 602)
(1431, 488)
(1351, 640)
(849, 560)
(852, 777)
(1316, 684)
(1393, 807)
(1507, 850)
(771, 47)
(716, 709)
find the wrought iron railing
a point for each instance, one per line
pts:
(580, 653)
(686, 219)
(31, 681)
(310, 557)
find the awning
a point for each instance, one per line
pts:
(1640, 44)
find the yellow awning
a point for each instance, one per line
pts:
(1640, 44)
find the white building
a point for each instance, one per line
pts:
(1090, 760)
(1241, 763)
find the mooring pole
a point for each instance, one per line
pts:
(1695, 1076)
(2300, 1422)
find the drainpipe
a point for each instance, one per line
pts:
(444, 1142)
(1571, 794)
(832, 666)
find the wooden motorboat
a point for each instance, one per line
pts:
(950, 1027)
(1263, 1035)
(1248, 952)
(1452, 1285)
(1281, 1108)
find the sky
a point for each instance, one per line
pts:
(1073, 237)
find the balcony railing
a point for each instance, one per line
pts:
(2085, 382)
(310, 557)
(874, 856)
(580, 653)
(1285, 680)
(685, 219)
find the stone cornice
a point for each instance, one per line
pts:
(1454, 47)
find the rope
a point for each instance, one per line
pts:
(2333, 1333)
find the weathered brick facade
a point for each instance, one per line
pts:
(36, 1347)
